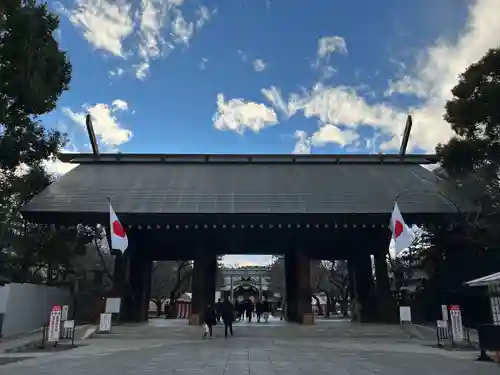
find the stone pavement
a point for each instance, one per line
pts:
(172, 347)
(9, 344)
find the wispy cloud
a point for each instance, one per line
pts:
(432, 77)
(259, 65)
(139, 35)
(116, 72)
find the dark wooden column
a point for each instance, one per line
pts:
(386, 307)
(204, 278)
(350, 273)
(146, 292)
(304, 283)
(291, 287)
(298, 284)
(363, 280)
(135, 302)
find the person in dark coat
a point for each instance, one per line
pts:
(265, 308)
(227, 316)
(239, 307)
(210, 319)
(249, 309)
(258, 310)
(218, 310)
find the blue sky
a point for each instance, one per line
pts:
(265, 76)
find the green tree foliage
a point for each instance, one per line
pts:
(33, 75)
(471, 158)
(449, 262)
(32, 252)
(474, 116)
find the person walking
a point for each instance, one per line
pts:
(218, 310)
(210, 319)
(265, 308)
(249, 309)
(238, 306)
(228, 317)
(258, 310)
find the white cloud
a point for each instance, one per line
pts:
(141, 70)
(203, 16)
(438, 67)
(434, 75)
(329, 44)
(107, 128)
(151, 31)
(303, 145)
(406, 85)
(326, 46)
(273, 94)
(238, 115)
(333, 134)
(339, 105)
(105, 23)
(259, 65)
(116, 72)
(119, 104)
(324, 135)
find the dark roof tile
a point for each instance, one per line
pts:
(245, 188)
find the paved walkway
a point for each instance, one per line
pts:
(35, 337)
(173, 347)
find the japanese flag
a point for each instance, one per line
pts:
(119, 240)
(401, 233)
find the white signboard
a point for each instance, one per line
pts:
(69, 324)
(457, 330)
(444, 312)
(54, 324)
(113, 305)
(65, 311)
(405, 314)
(105, 322)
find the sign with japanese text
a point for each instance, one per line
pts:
(457, 330)
(105, 322)
(54, 330)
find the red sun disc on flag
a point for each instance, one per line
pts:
(118, 229)
(398, 228)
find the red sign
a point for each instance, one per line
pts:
(54, 324)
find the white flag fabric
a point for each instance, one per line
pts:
(119, 240)
(401, 233)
